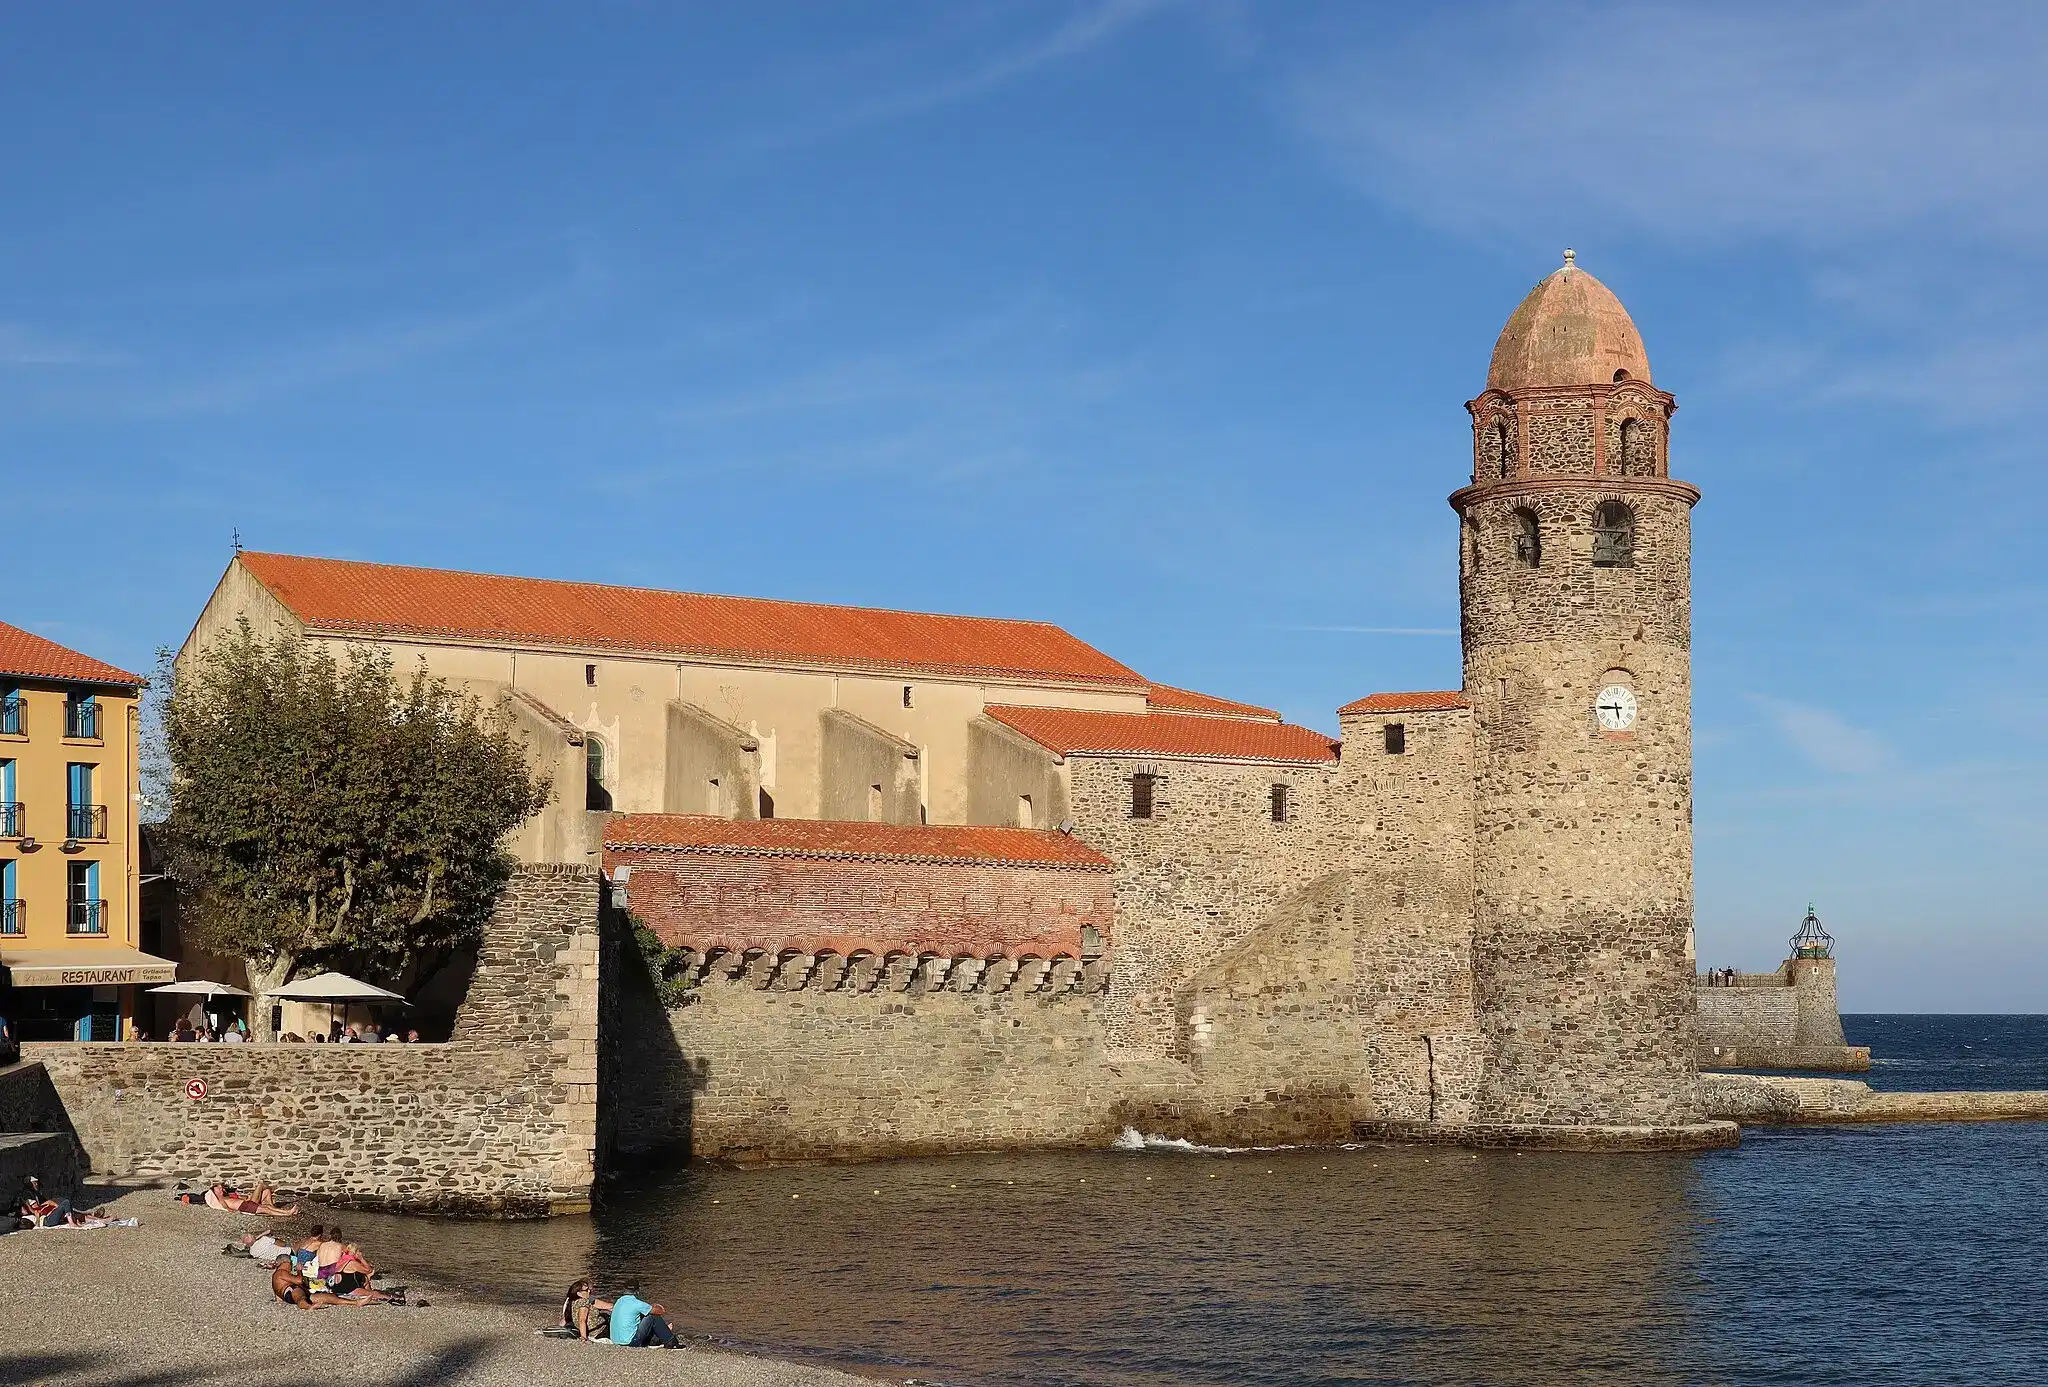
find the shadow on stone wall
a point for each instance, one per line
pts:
(646, 1086)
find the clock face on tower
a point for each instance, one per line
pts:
(1615, 706)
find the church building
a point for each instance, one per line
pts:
(945, 881)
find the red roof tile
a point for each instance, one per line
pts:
(1069, 731)
(25, 655)
(1022, 847)
(1434, 701)
(1167, 698)
(382, 600)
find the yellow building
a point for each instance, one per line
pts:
(70, 782)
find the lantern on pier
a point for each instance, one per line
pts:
(1812, 941)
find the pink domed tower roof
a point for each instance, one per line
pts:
(1571, 330)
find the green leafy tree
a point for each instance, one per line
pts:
(329, 812)
(665, 970)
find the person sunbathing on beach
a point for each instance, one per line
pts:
(264, 1201)
(58, 1213)
(293, 1289)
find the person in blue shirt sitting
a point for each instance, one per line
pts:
(637, 1324)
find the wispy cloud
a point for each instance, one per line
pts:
(1824, 738)
(321, 358)
(1083, 30)
(1377, 630)
(22, 345)
(1699, 123)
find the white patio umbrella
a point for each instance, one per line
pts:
(203, 989)
(200, 988)
(335, 988)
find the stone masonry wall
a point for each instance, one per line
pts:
(1748, 1016)
(501, 1119)
(790, 1075)
(1406, 822)
(1199, 875)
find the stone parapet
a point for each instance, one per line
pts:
(500, 1120)
(1810, 1059)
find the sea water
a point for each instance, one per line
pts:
(1851, 1255)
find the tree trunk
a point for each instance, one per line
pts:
(263, 976)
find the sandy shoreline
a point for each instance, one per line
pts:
(160, 1305)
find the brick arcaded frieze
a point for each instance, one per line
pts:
(883, 975)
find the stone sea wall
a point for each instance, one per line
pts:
(1753, 1098)
(501, 1119)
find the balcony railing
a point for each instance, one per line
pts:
(13, 917)
(88, 917)
(82, 721)
(11, 818)
(86, 821)
(13, 717)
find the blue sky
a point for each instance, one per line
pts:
(1151, 319)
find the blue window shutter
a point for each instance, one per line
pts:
(7, 879)
(7, 782)
(92, 881)
(77, 779)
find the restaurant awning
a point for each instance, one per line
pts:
(87, 967)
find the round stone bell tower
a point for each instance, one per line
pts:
(1575, 584)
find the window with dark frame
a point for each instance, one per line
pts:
(1141, 795)
(1528, 538)
(1397, 738)
(1280, 805)
(1614, 536)
(590, 675)
(906, 696)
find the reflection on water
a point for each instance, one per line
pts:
(1889, 1255)
(1856, 1255)
(1288, 1267)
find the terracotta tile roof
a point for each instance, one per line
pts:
(1434, 701)
(1021, 847)
(25, 655)
(1069, 731)
(1167, 698)
(382, 600)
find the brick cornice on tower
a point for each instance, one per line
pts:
(1587, 482)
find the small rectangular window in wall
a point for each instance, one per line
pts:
(1024, 819)
(590, 675)
(1141, 796)
(908, 701)
(1281, 808)
(1397, 738)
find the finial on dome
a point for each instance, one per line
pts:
(1570, 257)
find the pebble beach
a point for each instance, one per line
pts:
(159, 1305)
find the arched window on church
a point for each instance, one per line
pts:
(596, 794)
(1614, 536)
(1504, 455)
(1528, 538)
(1638, 449)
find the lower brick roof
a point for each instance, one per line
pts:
(1167, 699)
(1072, 732)
(25, 655)
(824, 838)
(1431, 701)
